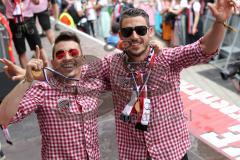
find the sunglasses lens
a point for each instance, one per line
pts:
(141, 30)
(126, 32)
(60, 54)
(73, 52)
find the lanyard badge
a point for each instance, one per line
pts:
(138, 108)
(64, 105)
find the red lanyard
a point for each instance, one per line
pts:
(139, 105)
(138, 77)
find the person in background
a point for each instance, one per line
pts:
(148, 6)
(91, 16)
(166, 26)
(2, 8)
(42, 14)
(117, 11)
(178, 9)
(104, 20)
(22, 25)
(158, 18)
(194, 22)
(113, 39)
(56, 11)
(77, 9)
(119, 7)
(126, 4)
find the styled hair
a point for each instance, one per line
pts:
(133, 12)
(66, 36)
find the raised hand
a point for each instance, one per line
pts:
(34, 67)
(13, 71)
(223, 9)
(157, 45)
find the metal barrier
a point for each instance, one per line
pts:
(229, 51)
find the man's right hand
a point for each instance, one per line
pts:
(34, 67)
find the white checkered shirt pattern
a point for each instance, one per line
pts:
(167, 137)
(70, 134)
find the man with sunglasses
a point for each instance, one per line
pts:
(150, 122)
(66, 106)
(22, 25)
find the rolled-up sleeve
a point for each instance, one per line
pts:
(32, 99)
(186, 56)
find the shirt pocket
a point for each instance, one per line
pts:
(63, 108)
(89, 107)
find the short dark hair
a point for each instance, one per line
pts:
(66, 36)
(133, 12)
(115, 28)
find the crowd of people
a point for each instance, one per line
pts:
(178, 22)
(152, 77)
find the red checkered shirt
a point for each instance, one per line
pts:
(68, 122)
(167, 137)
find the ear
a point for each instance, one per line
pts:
(151, 32)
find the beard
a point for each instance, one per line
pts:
(138, 52)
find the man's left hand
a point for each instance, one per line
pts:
(157, 45)
(223, 9)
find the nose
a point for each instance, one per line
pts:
(134, 34)
(67, 55)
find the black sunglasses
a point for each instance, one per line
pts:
(140, 30)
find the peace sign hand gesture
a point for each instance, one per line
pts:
(12, 71)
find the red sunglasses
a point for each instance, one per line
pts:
(62, 53)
